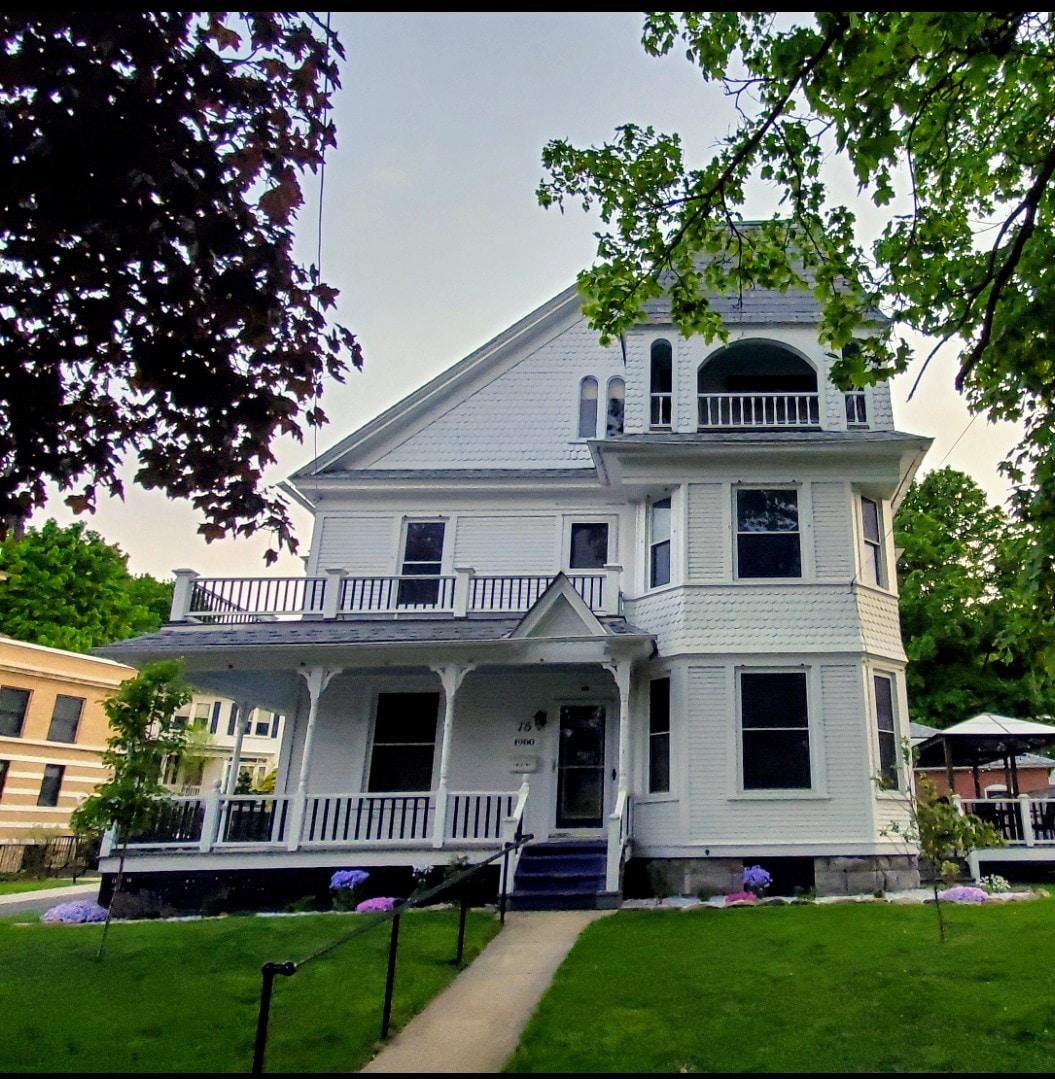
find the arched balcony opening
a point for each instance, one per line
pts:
(757, 384)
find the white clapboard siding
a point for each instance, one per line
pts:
(361, 545)
(832, 531)
(709, 540)
(507, 544)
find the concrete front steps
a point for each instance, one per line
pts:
(567, 874)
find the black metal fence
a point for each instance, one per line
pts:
(59, 856)
(456, 884)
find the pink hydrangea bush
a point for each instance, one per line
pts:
(741, 897)
(380, 904)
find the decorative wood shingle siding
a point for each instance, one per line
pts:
(880, 624)
(832, 532)
(750, 618)
(365, 546)
(507, 544)
(709, 537)
(525, 417)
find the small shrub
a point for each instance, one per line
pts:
(994, 884)
(134, 906)
(307, 904)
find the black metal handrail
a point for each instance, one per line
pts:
(269, 971)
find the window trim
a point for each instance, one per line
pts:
(897, 788)
(800, 513)
(652, 545)
(585, 430)
(25, 709)
(663, 398)
(570, 521)
(609, 397)
(654, 735)
(816, 788)
(873, 552)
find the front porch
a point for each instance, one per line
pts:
(1027, 824)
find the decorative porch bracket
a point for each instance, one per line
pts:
(451, 676)
(621, 671)
(317, 679)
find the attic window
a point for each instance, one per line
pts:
(588, 408)
(662, 384)
(616, 401)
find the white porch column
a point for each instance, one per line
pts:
(463, 581)
(621, 673)
(613, 573)
(243, 709)
(317, 679)
(210, 825)
(451, 676)
(331, 605)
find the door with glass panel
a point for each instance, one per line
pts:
(581, 766)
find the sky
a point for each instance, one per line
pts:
(432, 232)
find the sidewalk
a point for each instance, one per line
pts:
(475, 1024)
(39, 901)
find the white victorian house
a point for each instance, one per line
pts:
(639, 601)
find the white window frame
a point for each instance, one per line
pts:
(873, 553)
(582, 399)
(664, 676)
(662, 396)
(368, 763)
(570, 519)
(608, 398)
(800, 512)
(650, 544)
(812, 728)
(873, 697)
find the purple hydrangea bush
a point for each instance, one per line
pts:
(380, 904)
(756, 879)
(345, 885)
(75, 912)
(964, 893)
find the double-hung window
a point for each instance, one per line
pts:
(659, 736)
(767, 533)
(422, 557)
(65, 718)
(774, 730)
(404, 742)
(13, 705)
(659, 543)
(589, 545)
(886, 731)
(872, 566)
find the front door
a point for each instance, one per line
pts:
(580, 766)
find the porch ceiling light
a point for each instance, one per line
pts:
(540, 719)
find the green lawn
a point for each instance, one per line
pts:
(805, 988)
(14, 887)
(183, 996)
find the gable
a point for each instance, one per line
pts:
(559, 612)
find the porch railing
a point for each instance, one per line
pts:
(241, 600)
(1022, 821)
(620, 834)
(351, 820)
(758, 410)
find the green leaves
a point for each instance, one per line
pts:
(944, 115)
(68, 588)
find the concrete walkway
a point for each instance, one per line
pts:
(475, 1024)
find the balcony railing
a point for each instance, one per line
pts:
(759, 410)
(1022, 821)
(237, 600)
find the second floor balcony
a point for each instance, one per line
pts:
(336, 594)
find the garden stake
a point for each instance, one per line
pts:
(390, 980)
(268, 971)
(461, 930)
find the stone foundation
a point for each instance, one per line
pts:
(872, 873)
(830, 876)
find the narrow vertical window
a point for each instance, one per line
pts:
(616, 403)
(872, 532)
(214, 719)
(659, 543)
(662, 383)
(422, 557)
(232, 721)
(659, 736)
(50, 785)
(588, 408)
(887, 733)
